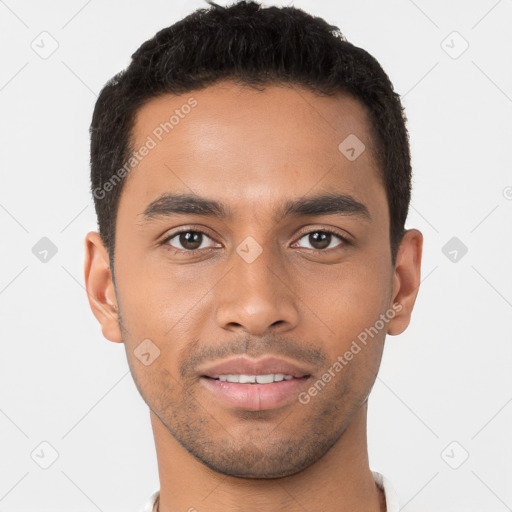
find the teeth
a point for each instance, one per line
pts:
(253, 379)
(246, 379)
(264, 379)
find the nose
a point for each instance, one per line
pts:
(257, 297)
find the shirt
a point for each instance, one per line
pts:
(381, 481)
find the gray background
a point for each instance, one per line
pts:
(441, 407)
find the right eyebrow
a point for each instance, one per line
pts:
(182, 204)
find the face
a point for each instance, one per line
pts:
(251, 246)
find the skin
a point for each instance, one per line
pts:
(252, 150)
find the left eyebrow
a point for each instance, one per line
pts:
(324, 204)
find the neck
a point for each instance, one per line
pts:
(340, 481)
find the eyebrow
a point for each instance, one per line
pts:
(168, 205)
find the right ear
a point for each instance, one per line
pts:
(100, 287)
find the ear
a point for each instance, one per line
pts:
(406, 280)
(100, 287)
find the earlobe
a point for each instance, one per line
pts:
(100, 287)
(406, 280)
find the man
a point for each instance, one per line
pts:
(251, 176)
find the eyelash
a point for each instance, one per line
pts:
(192, 252)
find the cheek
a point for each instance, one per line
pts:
(352, 307)
(347, 298)
(156, 299)
(167, 309)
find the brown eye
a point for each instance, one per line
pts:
(321, 239)
(187, 240)
(191, 240)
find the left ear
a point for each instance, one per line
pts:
(406, 280)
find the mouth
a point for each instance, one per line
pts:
(245, 392)
(268, 378)
(246, 370)
(255, 385)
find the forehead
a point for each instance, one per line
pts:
(252, 147)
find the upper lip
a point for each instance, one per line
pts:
(245, 366)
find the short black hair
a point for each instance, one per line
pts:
(255, 46)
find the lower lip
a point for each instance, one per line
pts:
(255, 397)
